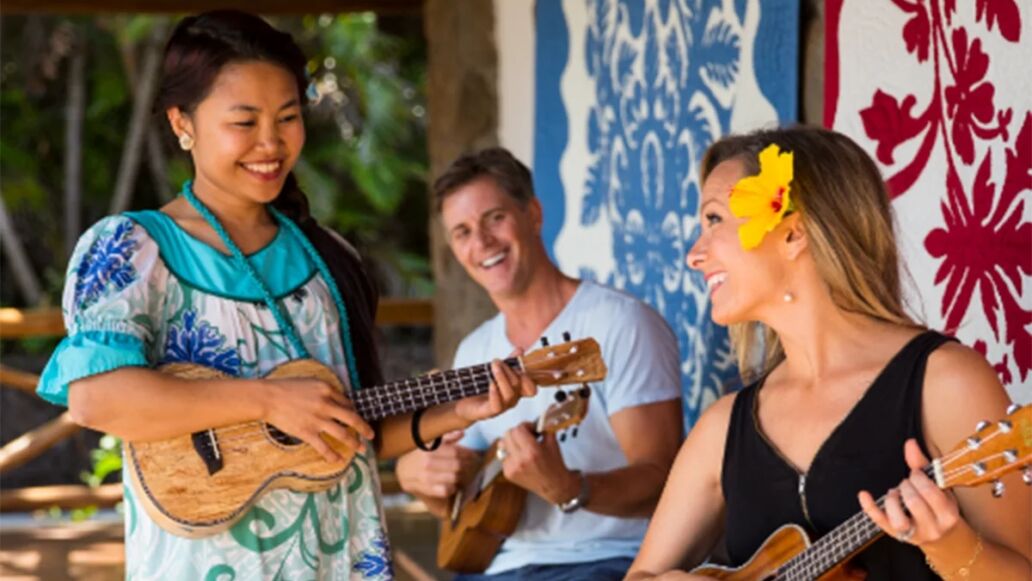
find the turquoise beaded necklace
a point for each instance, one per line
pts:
(274, 307)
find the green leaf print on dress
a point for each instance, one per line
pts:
(289, 535)
(246, 530)
(218, 571)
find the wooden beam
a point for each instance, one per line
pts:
(411, 566)
(416, 312)
(69, 496)
(31, 444)
(22, 380)
(195, 6)
(65, 496)
(17, 323)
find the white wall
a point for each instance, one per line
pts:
(514, 34)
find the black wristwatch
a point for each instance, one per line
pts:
(579, 501)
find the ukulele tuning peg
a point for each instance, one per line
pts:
(1010, 456)
(978, 468)
(560, 396)
(1026, 475)
(1013, 408)
(566, 336)
(544, 341)
(1004, 426)
(981, 425)
(974, 442)
(998, 489)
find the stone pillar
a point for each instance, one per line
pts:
(462, 101)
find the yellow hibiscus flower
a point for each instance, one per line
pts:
(764, 198)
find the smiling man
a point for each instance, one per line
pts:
(591, 498)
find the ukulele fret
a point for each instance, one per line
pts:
(991, 452)
(834, 547)
(409, 395)
(199, 484)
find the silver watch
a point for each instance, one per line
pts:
(580, 500)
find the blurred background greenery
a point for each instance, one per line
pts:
(79, 140)
(69, 87)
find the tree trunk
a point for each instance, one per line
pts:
(74, 113)
(21, 269)
(462, 99)
(147, 84)
(156, 160)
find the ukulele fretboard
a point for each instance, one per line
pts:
(833, 548)
(409, 395)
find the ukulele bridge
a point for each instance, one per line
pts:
(456, 507)
(207, 447)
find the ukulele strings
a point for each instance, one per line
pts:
(477, 381)
(378, 401)
(254, 431)
(833, 547)
(362, 397)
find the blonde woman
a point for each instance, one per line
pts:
(849, 397)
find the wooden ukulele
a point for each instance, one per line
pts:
(488, 508)
(788, 555)
(199, 484)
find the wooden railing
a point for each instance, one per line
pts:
(22, 324)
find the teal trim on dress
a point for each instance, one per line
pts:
(185, 283)
(283, 261)
(345, 325)
(85, 354)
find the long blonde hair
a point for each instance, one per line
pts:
(844, 208)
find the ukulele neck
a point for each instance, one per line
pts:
(409, 395)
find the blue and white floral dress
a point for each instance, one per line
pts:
(141, 292)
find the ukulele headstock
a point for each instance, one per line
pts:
(577, 361)
(992, 451)
(566, 413)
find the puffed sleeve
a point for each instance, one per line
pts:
(111, 305)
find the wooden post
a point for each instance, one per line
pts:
(66, 496)
(21, 380)
(18, 323)
(462, 79)
(32, 444)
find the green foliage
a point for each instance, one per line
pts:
(106, 459)
(364, 164)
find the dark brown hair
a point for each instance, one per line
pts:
(497, 163)
(198, 49)
(845, 210)
(200, 46)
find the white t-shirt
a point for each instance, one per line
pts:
(641, 354)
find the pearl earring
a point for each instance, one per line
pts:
(788, 297)
(185, 142)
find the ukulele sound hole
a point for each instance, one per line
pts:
(280, 437)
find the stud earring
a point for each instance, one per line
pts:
(185, 142)
(788, 297)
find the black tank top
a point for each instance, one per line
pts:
(762, 491)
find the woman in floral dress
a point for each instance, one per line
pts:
(235, 275)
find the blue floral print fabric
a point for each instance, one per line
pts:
(124, 306)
